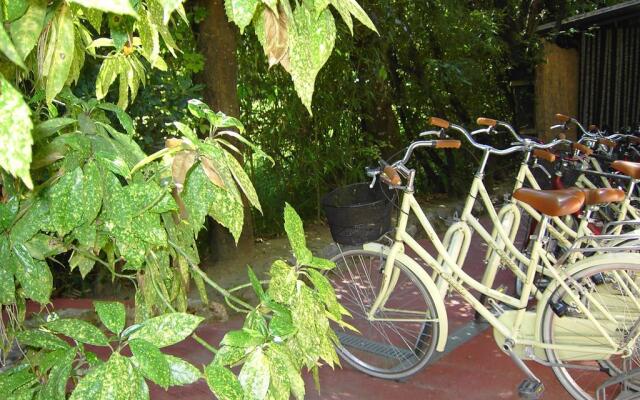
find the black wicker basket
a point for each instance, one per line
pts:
(358, 214)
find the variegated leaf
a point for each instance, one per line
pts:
(243, 181)
(26, 30)
(311, 41)
(255, 375)
(15, 133)
(223, 383)
(110, 6)
(167, 329)
(241, 11)
(60, 50)
(79, 330)
(111, 314)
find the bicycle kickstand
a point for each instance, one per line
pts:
(531, 388)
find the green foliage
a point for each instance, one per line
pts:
(15, 132)
(78, 190)
(297, 334)
(120, 377)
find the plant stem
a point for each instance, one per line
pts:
(209, 281)
(204, 343)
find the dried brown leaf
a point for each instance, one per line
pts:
(211, 172)
(182, 163)
(276, 38)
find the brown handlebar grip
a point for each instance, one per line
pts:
(392, 175)
(448, 144)
(583, 149)
(563, 118)
(607, 142)
(544, 155)
(439, 122)
(486, 121)
(633, 139)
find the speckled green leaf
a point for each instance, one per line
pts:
(34, 275)
(157, 17)
(16, 377)
(308, 319)
(111, 6)
(125, 120)
(42, 246)
(181, 372)
(15, 133)
(243, 181)
(311, 41)
(82, 262)
(319, 5)
(62, 44)
(229, 355)
(321, 263)
(357, 11)
(295, 233)
(197, 196)
(114, 380)
(326, 292)
(92, 192)
(79, 330)
(106, 76)
(34, 219)
(8, 212)
(167, 329)
(55, 388)
(65, 201)
(283, 282)
(14, 9)
(168, 7)
(9, 50)
(343, 9)
(228, 211)
(94, 16)
(151, 361)
(149, 37)
(285, 377)
(241, 11)
(255, 375)
(281, 324)
(7, 286)
(223, 383)
(25, 31)
(111, 314)
(243, 338)
(41, 340)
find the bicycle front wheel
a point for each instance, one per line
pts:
(400, 338)
(610, 293)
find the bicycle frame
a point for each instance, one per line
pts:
(451, 272)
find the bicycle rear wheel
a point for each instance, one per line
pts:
(402, 336)
(610, 287)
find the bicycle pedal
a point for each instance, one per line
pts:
(530, 389)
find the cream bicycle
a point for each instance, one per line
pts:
(586, 318)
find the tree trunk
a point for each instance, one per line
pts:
(217, 41)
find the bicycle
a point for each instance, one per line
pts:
(587, 315)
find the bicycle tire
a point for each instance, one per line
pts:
(601, 282)
(384, 349)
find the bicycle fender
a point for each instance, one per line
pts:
(620, 258)
(441, 311)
